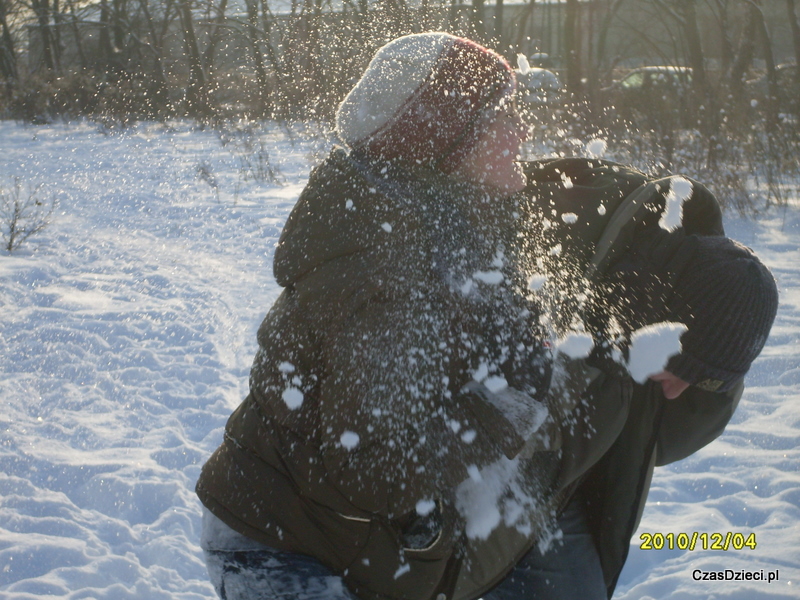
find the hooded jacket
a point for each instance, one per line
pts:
(368, 413)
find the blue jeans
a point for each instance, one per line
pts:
(569, 570)
(269, 574)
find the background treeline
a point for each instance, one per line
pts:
(216, 60)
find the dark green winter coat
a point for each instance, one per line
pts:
(399, 289)
(617, 211)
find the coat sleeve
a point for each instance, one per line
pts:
(594, 423)
(693, 420)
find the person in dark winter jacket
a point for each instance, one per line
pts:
(630, 269)
(403, 367)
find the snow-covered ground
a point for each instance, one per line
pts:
(127, 330)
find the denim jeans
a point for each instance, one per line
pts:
(569, 570)
(269, 574)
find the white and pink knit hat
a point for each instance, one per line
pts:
(425, 99)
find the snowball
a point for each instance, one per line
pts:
(349, 205)
(474, 473)
(496, 383)
(349, 439)
(468, 436)
(286, 367)
(387, 227)
(522, 64)
(679, 191)
(293, 398)
(483, 521)
(425, 507)
(536, 282)
(477, 498)
(402, 570)
(481, 373)
(576, 345)
(651, 348)
(596, 147)
(569, 218)
(490, 277)
(566, 180)
(601, 210)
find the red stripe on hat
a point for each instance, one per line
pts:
(442, 120)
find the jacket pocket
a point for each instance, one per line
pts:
(387, 568)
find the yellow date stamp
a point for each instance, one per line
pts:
(697, 541)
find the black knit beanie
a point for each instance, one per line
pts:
(728, 300)
(715, 286)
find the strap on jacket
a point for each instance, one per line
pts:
(622, 216)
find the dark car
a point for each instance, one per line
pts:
(649, 81)
(652, 96)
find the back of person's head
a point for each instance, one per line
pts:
(728, 300)
(425, 99)
(715, 286)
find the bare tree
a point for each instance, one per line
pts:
(254, 35)
(215, 34)
(688, 19)
(109, 57)
(154, 44)
(742, 59)
(74, 23)
(42, 9)
(477, 17)
(573, 35)
(196, 91)
(8, 52)
(763, 35)
(791, 10)
(522, 23)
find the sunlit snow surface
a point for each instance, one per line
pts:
(126, 334)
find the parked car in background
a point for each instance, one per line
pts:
(653, 97)
(648, 82)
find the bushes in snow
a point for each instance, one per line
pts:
(23, 213)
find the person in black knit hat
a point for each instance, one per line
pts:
(728, 300)
(604, 219)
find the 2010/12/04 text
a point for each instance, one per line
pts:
(697, 541)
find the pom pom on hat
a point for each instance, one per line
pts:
(424, 99)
